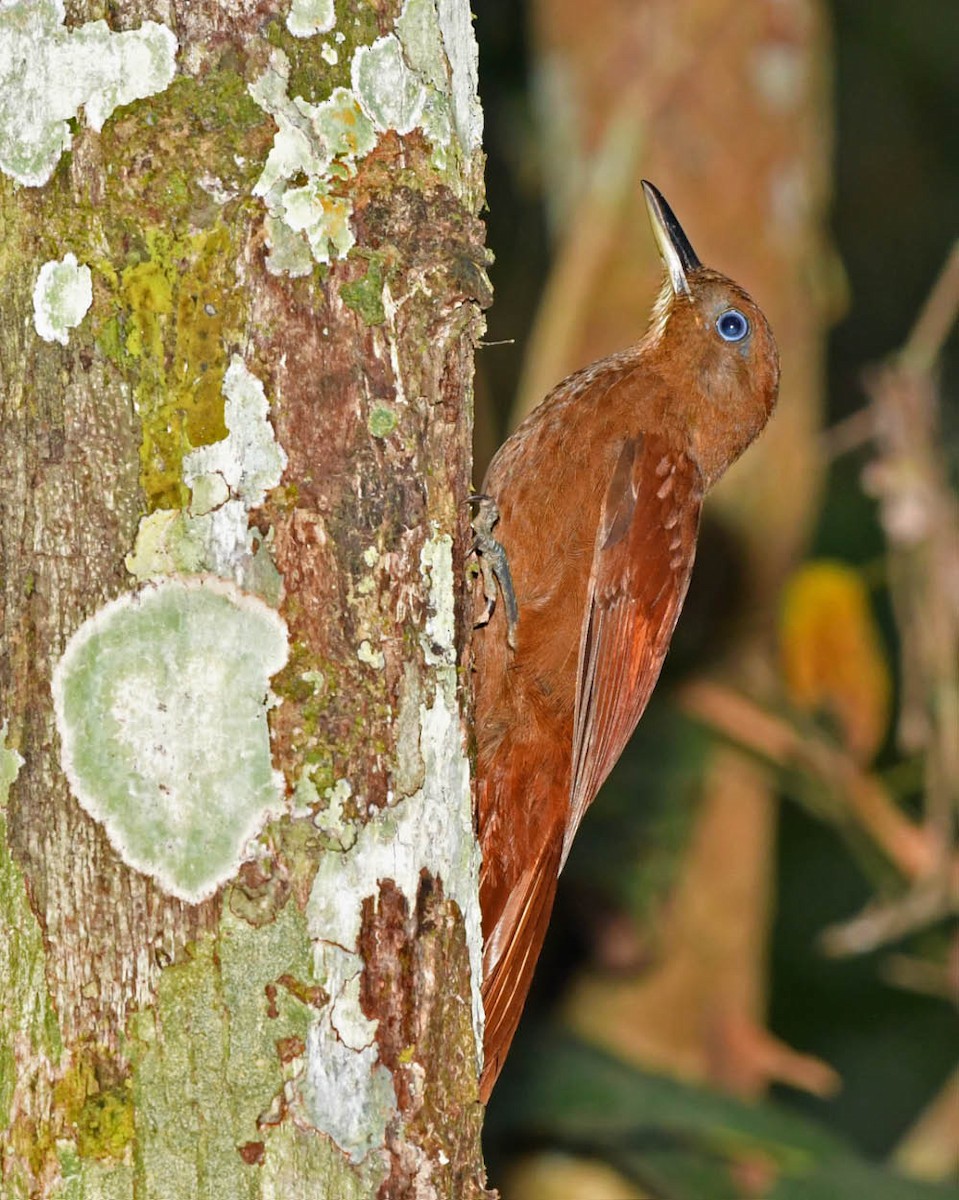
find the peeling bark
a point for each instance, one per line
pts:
(246, 221)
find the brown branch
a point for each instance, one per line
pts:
(923, 976)
(935, 321)
(752, 727)
(920, 517)
(931, 1148)
(918, 356)
(928, 903)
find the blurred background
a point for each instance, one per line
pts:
(750, 985)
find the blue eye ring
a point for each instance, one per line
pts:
(732, 325)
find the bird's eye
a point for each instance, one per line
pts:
(732, 326)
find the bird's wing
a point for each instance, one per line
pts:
(641, 566)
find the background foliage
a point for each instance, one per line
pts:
(879, 1009)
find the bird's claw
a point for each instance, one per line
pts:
(494, 566)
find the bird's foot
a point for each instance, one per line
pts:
(494, 566)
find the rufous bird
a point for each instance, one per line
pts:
(589, 518)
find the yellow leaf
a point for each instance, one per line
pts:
(555, 1176)
(832, 654)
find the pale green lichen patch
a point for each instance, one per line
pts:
(389, 92)
(82, 1178)
(459, 45)
(322, 217)
(308, 222)
(382, 421)
(62, 296)
(206, 1061)
(309, 17)
(338, 831)
(410, 79)
(161, 702)
(47, 72)
(373, 658)
(419, 77)
(227, 479)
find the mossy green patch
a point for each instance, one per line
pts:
(220, 96)
(105, 1124)
(148, 291)
(202, 135)
(206, 305)
(177, 173)
(181, 307)
(92, 1121)
(312, 76)
(365, 295)
(109, 339)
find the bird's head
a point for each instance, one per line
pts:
(713, 347)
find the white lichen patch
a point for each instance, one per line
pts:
(389, 92)
(346, 1092)
(337, 830)
(248, 462)
(436, 563)
(10, 763)
(227, 479)
(430, 829)
(439, 46)
(459, 44)
(418, 28)
(322, 217)
(373, 658)
(444, 759)
(309, 17)
(62, 297)
(422, 76)
(308, 222)
(48, 72)
(161, 702)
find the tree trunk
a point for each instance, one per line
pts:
(241, 270)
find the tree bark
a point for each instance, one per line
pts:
(241, 273)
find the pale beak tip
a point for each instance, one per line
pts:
(674, 246)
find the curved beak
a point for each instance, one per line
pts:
(674, 248)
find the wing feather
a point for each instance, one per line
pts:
(642, 562)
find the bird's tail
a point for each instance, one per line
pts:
(517, 889)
